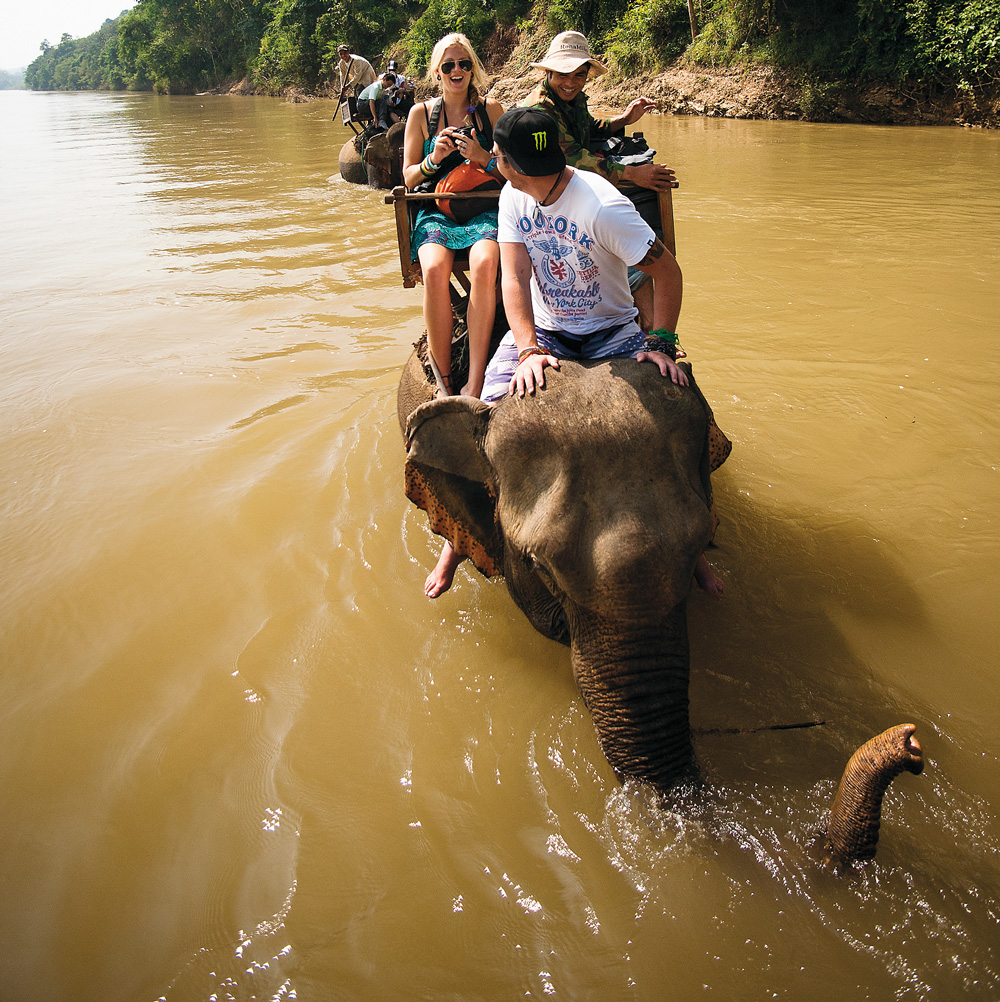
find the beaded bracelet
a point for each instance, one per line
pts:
(663, 334)
(651, 343)
(528, 352)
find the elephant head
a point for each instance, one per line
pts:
(383, 157)
(592, 497)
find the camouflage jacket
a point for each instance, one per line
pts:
(577, 130)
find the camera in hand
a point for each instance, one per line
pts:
(463, 130)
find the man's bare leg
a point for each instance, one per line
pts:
(439, 580)
(707, 579)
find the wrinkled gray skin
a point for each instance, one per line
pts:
(377, 163)
(592, 497)
(602, 508)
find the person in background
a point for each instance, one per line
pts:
(375, 97)
(356, 72)
(568, 65)
(401, 99)
(440, 135)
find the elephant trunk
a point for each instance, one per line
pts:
(852, 831)
(637, 694)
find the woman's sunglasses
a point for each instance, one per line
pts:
(463, 64)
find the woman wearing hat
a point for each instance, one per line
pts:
(568, 65)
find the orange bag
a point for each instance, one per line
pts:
(466, 177)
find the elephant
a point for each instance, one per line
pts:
(352, 167)
(593, 498)
(375, 160)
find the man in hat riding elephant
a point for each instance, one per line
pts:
(568, 65)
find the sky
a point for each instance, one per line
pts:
(24, 23)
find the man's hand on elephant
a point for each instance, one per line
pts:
(665, 364)
(531, 374)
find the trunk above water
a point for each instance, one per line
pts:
(852, 832)
(637, 695)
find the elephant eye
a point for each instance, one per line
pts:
(538, 568)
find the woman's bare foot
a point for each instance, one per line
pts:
(707, 579)
(439, 580)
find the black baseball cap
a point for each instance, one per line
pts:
(529, 139)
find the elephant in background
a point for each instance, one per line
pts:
(593, 498)
(374, 158)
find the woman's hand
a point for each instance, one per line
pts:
(468, 146)
(444, 145)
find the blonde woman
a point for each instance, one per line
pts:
(433, 145)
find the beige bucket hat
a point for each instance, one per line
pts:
(568, 51)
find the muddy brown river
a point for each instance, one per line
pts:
(243, 757)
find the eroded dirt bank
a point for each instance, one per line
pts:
(724, 92)
(762, 92)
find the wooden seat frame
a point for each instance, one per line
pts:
(406, 203)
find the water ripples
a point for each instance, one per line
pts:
(235, 722)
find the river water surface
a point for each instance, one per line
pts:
(244, 757)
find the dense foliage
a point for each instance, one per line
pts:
(73, 64)
(184, 45)
(187, 45)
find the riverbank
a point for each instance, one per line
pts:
(755, 91)
(760, 92)
(766, 93)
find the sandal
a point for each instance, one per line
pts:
(445, 382)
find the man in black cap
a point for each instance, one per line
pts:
(567, 238)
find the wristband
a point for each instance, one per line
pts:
(653, 343)
(528, 352)
(427, 166)
(663, 334)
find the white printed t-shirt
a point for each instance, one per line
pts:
(580, 248)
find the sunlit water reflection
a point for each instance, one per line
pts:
(244, 757)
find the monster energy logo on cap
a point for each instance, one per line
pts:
(529, 139)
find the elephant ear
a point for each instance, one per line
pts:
(717, 446)
(716, 450)
(449, 477)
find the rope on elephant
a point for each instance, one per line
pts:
(758, 730)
